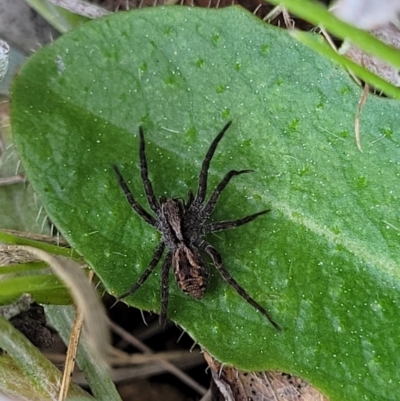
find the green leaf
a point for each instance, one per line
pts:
(9, 238)
(25, 373)
(324, 261)
(45, 288)
(316, 43)
(22, 267)
(60, 18)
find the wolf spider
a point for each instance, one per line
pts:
(183, 226)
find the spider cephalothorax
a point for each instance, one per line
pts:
(183, 226)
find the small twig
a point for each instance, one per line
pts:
(274, 13)
(357, 119)
(363, 96)
(81, 8)
(4, 56)
(71, 354)
(207, 396)
(70, 359)
(16, 179)
(168, 366)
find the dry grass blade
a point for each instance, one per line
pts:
(59, 241)
(143, 371)
(357, 119)
(81, 8)
(75, 335)
(4, 56)
(15, 256)
(121, 358)
(207, 396)
(16, 179)
(71, 355)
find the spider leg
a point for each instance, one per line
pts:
(148, 187)
(209, 207)
(189, 200)
(156, 257)
(202, 188)
(226, 225)
(217, 260)
(164, 288)
(148, 218)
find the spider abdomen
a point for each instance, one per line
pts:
(183, 226)
(191, 275)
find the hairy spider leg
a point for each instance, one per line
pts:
(226, 225)
(202, 188)
(147, 217)
(148, 187)
(189, 199)
(156, 258)
(217, 260)
(164, 287)
(209, 207)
